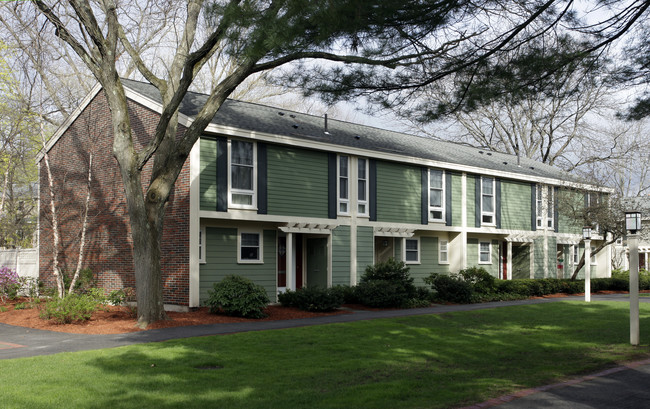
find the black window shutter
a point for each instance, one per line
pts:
(477, 201)
(533, 207)
(331, 185)
(556, 210)
(497, 202)
(262, 187)
(425, 196)
(222, 175)
(372, 168)
(448, 219)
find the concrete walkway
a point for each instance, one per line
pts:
(622, 387)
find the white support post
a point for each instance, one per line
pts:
(587, 270)
(633, 243)
(291, 264)
(509, 260)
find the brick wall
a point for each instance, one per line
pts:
(109, 250)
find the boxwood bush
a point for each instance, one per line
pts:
(238, 296)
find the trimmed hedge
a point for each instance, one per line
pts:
(387, 285)
(315, 299)
(238, 296)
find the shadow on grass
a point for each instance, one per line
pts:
(425, 361)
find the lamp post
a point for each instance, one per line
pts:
(586, 236)
(633, 225)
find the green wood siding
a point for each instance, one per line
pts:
(472, 252)
(472, 255)
(297, 182)
(365, 249)
(471, 201)
(341, 255)
(221, 260)
(399, 193)
(520, 261)
(208, 175)
(456, 200)
(428, 261)
(569, 203)
(515, 205)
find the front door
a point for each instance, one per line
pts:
(384, 249)
(317, 262)
(503, 249)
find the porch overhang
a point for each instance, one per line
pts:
(394, 232)
(308, 228)
(519, 238)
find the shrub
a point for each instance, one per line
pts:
(238, 296)
(71, 308)
(482, 281)
(9, 284)
(386, 285)
(315, 299)
(450, 288)
(347, 293)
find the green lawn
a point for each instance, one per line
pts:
(436, 361)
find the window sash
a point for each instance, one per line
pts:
(242, 173)
(436, 194)
(250, 247)
(443, 252)
(487, 200)
(485, 252)
(412, 250)
(344, 188)
(362, 186)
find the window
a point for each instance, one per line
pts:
(250, 247)
(412, 251)
(593, 203)
(202, 245)
(242, 174)
(487, 200)
(362, 193)
(545, 207)
(485, 252)
(436, 195)
(550, 207)
(576, 255)
(344, 190)
(443, 252)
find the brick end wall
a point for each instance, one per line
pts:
(109, 249)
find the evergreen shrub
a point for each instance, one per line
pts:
(315, 299)
(238, 296)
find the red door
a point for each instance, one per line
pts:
(504, 260)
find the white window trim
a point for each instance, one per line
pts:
(435, 208)
(367, 192)
(261, 251)
(440, 252)
(550, 208)
(489, 243)
(484, 213)
(417, 239)
(339, 200)
(202, 246)
(545, 210)
(252, 206)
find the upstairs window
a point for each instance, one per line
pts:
(362, 188)
(487, 201)
(344, 185)
(545, 207)
(242, 174)
(436, 195)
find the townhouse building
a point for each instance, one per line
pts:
(291, 200)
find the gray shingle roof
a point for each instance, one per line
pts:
(260, 118)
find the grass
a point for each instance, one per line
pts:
(435, 361)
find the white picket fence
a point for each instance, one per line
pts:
(23, 261)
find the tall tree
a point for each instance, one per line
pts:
(388, 45)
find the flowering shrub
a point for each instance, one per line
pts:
(9, 284)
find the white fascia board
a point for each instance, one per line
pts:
(68, 121)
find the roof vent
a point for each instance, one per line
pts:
(532, 168)
(489, 153)
(281, 113)
(481, 152)
(357, 137)
(294, 126)
(292, 116)
(505, 163)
